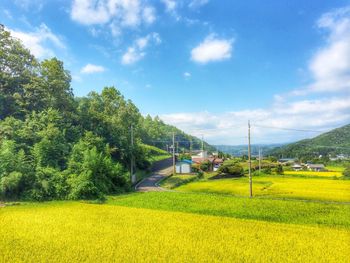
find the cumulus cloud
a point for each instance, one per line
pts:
(212, 49)
(330, 66)
(231, 127)
(117, 13)
(41, 42)
(136, 52)
(91, 68)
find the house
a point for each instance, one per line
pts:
(214, 161)
(297, 167)
(316, 167)
(184, 167)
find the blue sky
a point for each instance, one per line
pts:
(205, 66)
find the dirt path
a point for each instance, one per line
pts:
(150, 184)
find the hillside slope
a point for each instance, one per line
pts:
(334, 142)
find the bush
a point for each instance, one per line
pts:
(82, 187)
(267, 170)
(279, 169)
(11, 186)
(205, 166)
(346, 172)
(200, 174)
(49, 184)
(231, 168)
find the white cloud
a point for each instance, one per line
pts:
(170, 5)
(187, 75)
(136, 52)
(149, 14)
(91, 68)
(131, 56)
(231, 127)
(212, 49)
(118, 14)
(40, 42)
(330, 66)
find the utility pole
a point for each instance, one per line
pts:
(132, 154)
(250, 164)
(191, 147)
(202, 144)
(259, 160)
(174, 168)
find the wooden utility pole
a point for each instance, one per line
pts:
(174, 168)
(191, 147)
(250, 164)
(259, 160)
(202, 144)
(132, 154)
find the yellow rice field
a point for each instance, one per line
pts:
(312, 173)
(280, 187)
(76, 232)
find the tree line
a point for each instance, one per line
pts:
(54, 145)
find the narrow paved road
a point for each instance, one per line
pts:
(150, 184)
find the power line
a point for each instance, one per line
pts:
(287, 129)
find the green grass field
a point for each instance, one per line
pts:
(277, 187)
(175, 227)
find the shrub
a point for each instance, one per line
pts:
(346, 172)
(205, 166)
(279, 169)
(49, 184)
(231, 168)
(267, 170)
(12, 185)
(82, 187)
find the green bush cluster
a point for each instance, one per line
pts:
(231, 168)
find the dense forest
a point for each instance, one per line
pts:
(57, 146)
(331, 143)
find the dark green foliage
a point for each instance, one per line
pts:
(279, 169)
(205, 166)
(334, 142)
(185, 156)
(346, 172)
(11, 185)
(231, 168)
(56, 146)
(267, 170)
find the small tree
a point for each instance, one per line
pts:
(346, 172)
(231, 168)
(279, 169)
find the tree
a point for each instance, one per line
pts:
(231, 168)
(279, 169)
(346, 172)
(17, 68)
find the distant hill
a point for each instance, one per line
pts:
(239, 150)
(334, 142)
